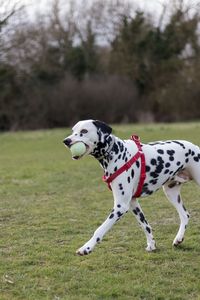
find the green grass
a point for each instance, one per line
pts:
(50, 205)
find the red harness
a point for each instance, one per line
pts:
(128, 165)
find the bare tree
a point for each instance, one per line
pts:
(8, 10)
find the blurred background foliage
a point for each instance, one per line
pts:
(98, 59)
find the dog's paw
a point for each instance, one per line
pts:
(84, 251)
(151, 247)
(177, 242)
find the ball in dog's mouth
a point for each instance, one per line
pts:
(78, 150)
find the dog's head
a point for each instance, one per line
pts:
(94, 134)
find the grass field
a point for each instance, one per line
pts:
(50, 205)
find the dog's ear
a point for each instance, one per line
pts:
(103, 127)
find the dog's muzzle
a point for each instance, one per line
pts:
(67, 142)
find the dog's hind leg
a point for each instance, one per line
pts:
(172, 191)
(137, 211)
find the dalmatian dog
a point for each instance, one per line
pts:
(168, 164)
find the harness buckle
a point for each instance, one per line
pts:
(135, 138)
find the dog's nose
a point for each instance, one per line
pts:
(67, 142)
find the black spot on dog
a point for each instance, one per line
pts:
(142, 218)
(160, 151)
(170, 152)
(149, 193)
(159, 168)
(154, 174)
(121, 146)
(115, 148)
(154, 181)
(129, 179)
(197, 158)
(135, 212)
(98, 240)
(137, 209)
(148, 168)
(179, 199)
(120, 186)
(119, 214)
(103, 126)
(111, 216)
(124, 155)
(148, 229)
(105, 164)
(132, 173)
(153, 162)
(161, 161)
(137, 164)
(184, 208)
(166, 171)
(167, 165)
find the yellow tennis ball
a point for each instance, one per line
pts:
(78, 149)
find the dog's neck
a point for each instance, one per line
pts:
(106, 151)
(102, 151)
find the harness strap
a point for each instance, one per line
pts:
(138, 192)
(128, 165)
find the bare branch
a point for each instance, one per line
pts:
(7, 10)
(162, 16)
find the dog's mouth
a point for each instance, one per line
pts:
(76, 157)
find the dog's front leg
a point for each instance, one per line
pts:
(136, 209)
(117, 212)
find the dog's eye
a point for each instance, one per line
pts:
(84, 131)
